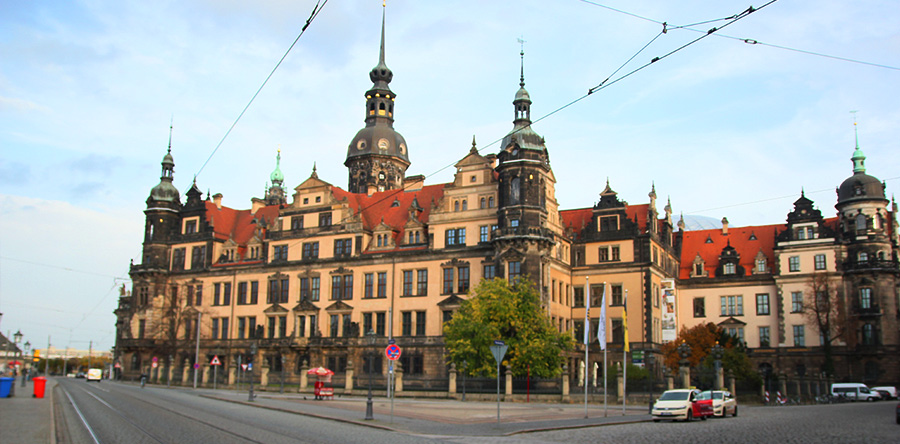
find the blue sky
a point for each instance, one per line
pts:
(723, 127)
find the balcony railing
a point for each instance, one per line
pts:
(872, 264)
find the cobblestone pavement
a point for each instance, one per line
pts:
(840, 423)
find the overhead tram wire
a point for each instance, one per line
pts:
(315, 12)
(599, 87)
(745, 40)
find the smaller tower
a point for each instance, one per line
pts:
(275, 194)
(162, 214)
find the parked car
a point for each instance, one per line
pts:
(79, 375)
(854, 391)
(891, 392)
(722, 402)
(681, 404)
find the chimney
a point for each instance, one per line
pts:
(217, 199)
(724, 226)
(256, 204)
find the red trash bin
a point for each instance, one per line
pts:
(40, 383)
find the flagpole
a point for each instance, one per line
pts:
(587, 330)
(625, 354)
(601, 338)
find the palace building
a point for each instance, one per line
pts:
(303, 278)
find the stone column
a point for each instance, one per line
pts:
(398, 377)
(620, 387)
(348, 382)
(304, 378)
(782, 383)
(685, 376)
(451, 382)
(731, 383)
(264, 374)
(186, 372)
(565, 383)
(670, 382)
(720, 378)
(170, 372)
(509, 381)
(797, 386)
(232, 373)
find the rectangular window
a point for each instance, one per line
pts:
(732, 306)
(380, 323)
(420, 323)
(314, 326)
(618, 332)
(215, 328)
(463, 273)
(369, 285)
(820, 261)
(190, 227)
(762, 304)
(311, 250)
(699, 307)
(348, 287)
(346, 325)
(178, 259)
(407, 283)
(285, 291)
(280, 253)
(448, 281)
(325, 219)
(226, 294)
(313, 289)
(297, 223)
(304, 289)
(382, 285)
(198, 256)
(737, 332)
(764, 336)
(343, 247)
(254, 292)
(596, 295)
(865, 298)
(609, 223)
(421, 282)
(272, 325)
(760, 265)
(603, 254)
(334, 326)
(342, 287)
(251, 324)
(796, 301)
(799, 336)
(617, 295)
(579, 296)
(301, 326)
(217, 289)
(242, 293)
(515, 271)
(489, 271)
(189, 298)
(242, 328)
(406, 318)
(142, 328)
(483, 233)
(367, 323)
(794, 263)
(615, 253)
(272, 294)
(455, 236)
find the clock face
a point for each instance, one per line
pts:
(402, 148)
(381, 175)
(361, 144)
(383, 144)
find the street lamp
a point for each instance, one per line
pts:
(370, 339)
(24, 371)
(253, 350)
(649, 360)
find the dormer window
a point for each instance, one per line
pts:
(609, 223)
(728, 268)
(863, 256)
(698, 269)
(760, 265)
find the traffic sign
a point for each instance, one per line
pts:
(154, 364)
(392, 341)
(244, 367)
(155, 359)
(499, 351)
(392, 352)
(196, 365)
(250, 366)
(118, 365)
(215, 360)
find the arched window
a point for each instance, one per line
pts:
(868, 334)
(514, 191)
(729, 269)
(381, 106)
(863, 256)
(465, 205)
(865, 298)
(491, 202)
(860, 222)
(456, 206)
(379, 240)
(410, 237)
(483, 203)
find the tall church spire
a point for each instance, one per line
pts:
(858, 158)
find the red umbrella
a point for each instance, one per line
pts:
(14, 363)
(320, 371)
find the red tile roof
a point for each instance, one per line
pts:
(580, 218)
(238, 225)
(695, 242)
(380, 206)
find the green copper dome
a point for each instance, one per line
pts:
(277, 176)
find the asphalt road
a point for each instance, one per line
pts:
(118, 413)
(103, 413)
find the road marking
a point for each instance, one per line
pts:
(83, 421)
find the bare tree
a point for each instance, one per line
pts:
(825, 308)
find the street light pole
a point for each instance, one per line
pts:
(18, 339)
(370, 339)
(24, 369)
(253, 350)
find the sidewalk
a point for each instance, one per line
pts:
(442, 417)
(25, 419)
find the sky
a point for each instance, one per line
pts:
(724, 127)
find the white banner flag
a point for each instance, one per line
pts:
(601, 329)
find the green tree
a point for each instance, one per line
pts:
(701, 339)
(512, 313)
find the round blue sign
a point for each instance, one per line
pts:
(392, 352)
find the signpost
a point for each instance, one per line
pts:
(499, 351)
(392, 351)
(215, 363)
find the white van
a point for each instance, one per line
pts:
(854, 391)
(94, 374)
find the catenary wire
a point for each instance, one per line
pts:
(309, 20)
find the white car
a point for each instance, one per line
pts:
(891, 391)
(681, 404)
(723, 402)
